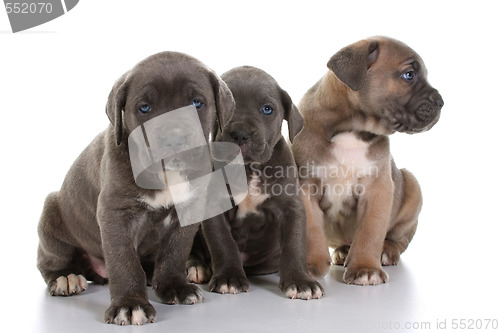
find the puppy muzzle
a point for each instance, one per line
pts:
(173, 141)
(428, 111)
(251, 143)
(422, 117)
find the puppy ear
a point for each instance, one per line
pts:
(224, 103)
(292, 116)
(115, 105)
(351, 63)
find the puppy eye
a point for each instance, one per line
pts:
(197, 103)
(266, 109)
(145, 108)
(408, 76)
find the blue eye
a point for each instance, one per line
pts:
(197, 103)
(408, 76)
(145, 108)
(266, 109)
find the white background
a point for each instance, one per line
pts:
(55, 79)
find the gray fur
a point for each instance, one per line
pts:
(271, 236)
(101, 215)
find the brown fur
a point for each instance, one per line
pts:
(364, 97)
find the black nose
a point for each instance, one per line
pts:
(436, 98)
(240, 137)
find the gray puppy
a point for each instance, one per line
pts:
(266, 232)
(101, 225)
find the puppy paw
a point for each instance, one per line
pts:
(229, 284)
(180, 293)
(318, 266)
(130, 314)
(340, 254)
(390, 254)
(199, 274)
(305, 289)
(68, 285)
(365, 275)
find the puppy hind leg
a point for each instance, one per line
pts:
(390, 254)
(340, 254)
(197, 271)
(56, 258)
(197, 267)
(405, 225)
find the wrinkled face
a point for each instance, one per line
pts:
(256, 123)
(396, 89)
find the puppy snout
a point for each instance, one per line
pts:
(436, 98)
(175, 141)
(430, 109)
(426, 112)
(240, 137)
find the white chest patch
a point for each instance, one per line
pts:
(167, 221)
(160, 199)
(340, 175)
(179, 190)
(350, 156)
(254, 198)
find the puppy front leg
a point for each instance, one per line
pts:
(228, 274)
(363, 265)
(318, 256)
(127, 280)
(169, 278)
(295, 280)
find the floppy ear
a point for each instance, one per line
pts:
(351, 63)
(292, 116)
(115, 105)
(224, 103)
